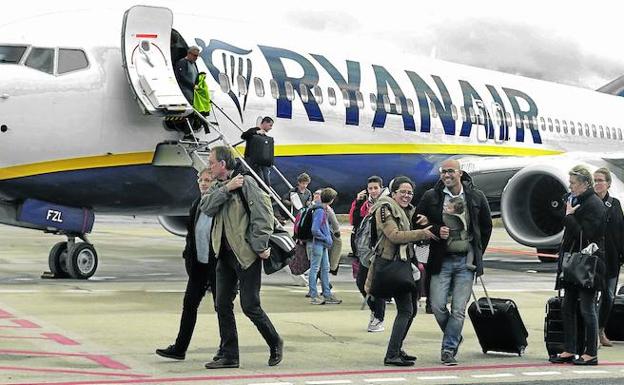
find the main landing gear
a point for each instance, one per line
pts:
(72, 260)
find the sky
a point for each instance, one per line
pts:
(571, 42)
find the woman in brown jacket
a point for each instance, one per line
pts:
(392, 218)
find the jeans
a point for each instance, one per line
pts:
(319, 259)
(229, 272)
(589, 315)
(200, 277)
(376, 304)
(606, 301)
(454, 279)
(406, 305)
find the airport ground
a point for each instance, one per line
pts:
(105, 330)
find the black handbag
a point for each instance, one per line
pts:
(582, 270)
(391, 277)
(282, 251)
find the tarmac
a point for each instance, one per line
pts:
(105, 330)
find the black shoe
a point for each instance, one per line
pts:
(277, 353)
(561, 360)
(582, 362)
(406, 356)
(428, 309)
(397, 361)
(218, 355)
(171, 352)
(222, 363)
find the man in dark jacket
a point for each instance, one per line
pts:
(186, 73)
(614, 248)
(200, 264)
(263, 170)
(453, 270)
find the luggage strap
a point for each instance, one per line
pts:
(487, 296)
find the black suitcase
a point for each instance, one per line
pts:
(615, 325)
(261, 150)
(553, 327)
(500, 331)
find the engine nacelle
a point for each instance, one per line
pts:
(175, 224)
(532, 207)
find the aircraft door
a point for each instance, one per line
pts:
(145, 49)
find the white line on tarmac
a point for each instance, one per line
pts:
(392, 379)
(540, 373)
(590, 371)
(496, 375)
(327, 382)
(272, 383)
(438, 378)
(18, 291)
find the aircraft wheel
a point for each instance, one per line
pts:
(57, 260)
(83, 261)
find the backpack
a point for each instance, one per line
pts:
(366, 239)
(303, 224)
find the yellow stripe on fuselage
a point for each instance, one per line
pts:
(317, 149)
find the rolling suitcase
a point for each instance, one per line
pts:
(498, 324)
(615, 325)
(553, 327)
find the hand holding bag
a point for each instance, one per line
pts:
(391, 277)
(582, 269)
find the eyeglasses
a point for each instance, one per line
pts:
(447, 171)
(406, 192)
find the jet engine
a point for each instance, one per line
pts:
(532, 206)
(175, 224)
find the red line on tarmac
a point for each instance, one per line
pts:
(46, 336)
(310, 374)
(69, 371)
(105, 361)
(22, 324)
(520, 252)
(6, 314)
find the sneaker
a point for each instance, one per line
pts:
(332, 300)
(317, 301)
(447, 358)
(171, 352)
(376, 325)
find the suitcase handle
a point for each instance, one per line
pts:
(487, 296)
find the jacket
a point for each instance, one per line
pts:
(186, 78)
(190, 250)
(247, 234)
(320, 227)
(586, 225)
(431, 205)
(393, 224)
(614, 232)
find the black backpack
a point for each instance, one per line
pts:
(303, 224)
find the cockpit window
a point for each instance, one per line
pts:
(11, 53)
(41, 59)
(71, 60)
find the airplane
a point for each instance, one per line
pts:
(90, 114)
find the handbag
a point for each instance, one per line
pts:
(300, 262)
(580, 269)
(282, 250)
(391, 277)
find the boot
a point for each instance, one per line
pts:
(604, 341)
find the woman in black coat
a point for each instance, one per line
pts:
(584, 224)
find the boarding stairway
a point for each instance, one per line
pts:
(193, 152)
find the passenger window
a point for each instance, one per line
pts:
(434, 112)
(373, 102)
(224, 82)
(564, 126)
(608, 132)
(462, 111)
(360, 99)
(345, 98)
(331, 95)
(290, 90)
(386, 103)
(542, 123)
(241, 83)
(274, 89)
(586, 129)
(318, 94)
(601, 130)
(518, 121)
(410, 107)
(303, 92)
(71, 60)
(619, 133)
(572, 128)
(557, 127)
(259, 86)
(473, 116)
(534, 123)
(453, 111)
(41, 59)
(508, 119)
(398, 105)
(11, 54)
(550, 125)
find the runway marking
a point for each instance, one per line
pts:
(590, 371)
(21, 324)
(71, 371)
(272, 383)
(496, 375)
(100, 359)
(437, 377)
(329, 382)
(395, 379)
(6, 314)
(541, 373)
(61, 339)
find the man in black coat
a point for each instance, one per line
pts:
(200, 263)
(453, 271)
(614, 248)
(263, 170)
(186, 73)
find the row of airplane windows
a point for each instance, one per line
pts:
(565, 127)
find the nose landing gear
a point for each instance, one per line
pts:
(72, 260)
